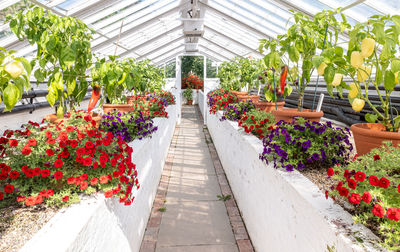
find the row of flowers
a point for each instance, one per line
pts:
(54, 163)
(370, 183)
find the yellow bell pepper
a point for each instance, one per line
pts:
(363, 73)
(337, 79)
(353, 90)
(367, 47)
(356, 59)
(15, 69)
(321, 68)
(396, 77)
(358, 104)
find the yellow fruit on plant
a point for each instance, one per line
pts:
(353, 90)
(396, 77)
(363, 73)
(356, 59)
(367, 47)
(337, 79)
(358, 104)
(321, 68)
(15, 69)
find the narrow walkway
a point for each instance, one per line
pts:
(187, 214)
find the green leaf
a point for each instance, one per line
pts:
(389, 81)
(293, 54)
(378, 76)
(67, 56)
(10, 96)
(379, 30)
(39, 75)
(26, 64)
(20, 83)
(395, 65)
(329, 88)
(329, 74)
(51, 44)
(51, 96)
(317, 60)
(371, 118)
(71, 86)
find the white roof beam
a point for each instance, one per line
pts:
(159, 47)
(222, 47)
(214, 52)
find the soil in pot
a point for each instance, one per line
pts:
(287, 114)
(120, 107)
(368, 136)
(269, 106)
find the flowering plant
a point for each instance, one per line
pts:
(302, 144)
(150, 105)
(219, 99)
(61, 160)
(371, 183)
(234, 111)
(257, 122)
(166, 96)
(128, 126)
(192, 81)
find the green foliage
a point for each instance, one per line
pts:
(192, 64)
(170, 69)
(63, 43)
(211, 70)
(188, 94)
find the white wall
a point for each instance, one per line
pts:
(99, 224)
(202, 105)
(283, 211)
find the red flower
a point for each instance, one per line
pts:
(343, 191)
(346, 173)
(398, 188)
(94, 181)
(58, 174)
(74, 143)
(38, 199)
(330, 172)
(63, 136)
(359, 176)
(44, 193)
(51, 141)
(50, 192)
(116, 174)
(58, 163)
(8, 188)
(378, 210)
(352, 184)
(376, 157)
(108, 194)
(89, 145)
(65, 198)
(69, 129)
(70, 180)
(30, 201)
(13, 143)
(367, 197)
(84, 176)
(14, 174)
(355, 199)
(95, 165)
(339, 185)
(20, 198)
(26, 150)
(49, 152)
(393, 214)
(384, 182)
(373, 180)
(48, 134)
(80, 151)
(32, 142)
(326, 194)
(84, 185)
(103, 179)
(87, 161)
(1, 195)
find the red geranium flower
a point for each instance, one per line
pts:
(378, 210)
(373, 180)
(94, 181)
(30, 201)
(13, 143)
(74, 143)
(32, 142)
(48, 134)
(38, 199)
(14, 174)
(95, 165)
(103, 179)
(8, 188)
(352, 184)
(89, 145)
(26, 150)
(343, 191)
(69, 129)
(71, 180)
(84, 176)
(384, 182)
(393, 214)
(58, 174)
(330, 172)
(367, 197)
(359, 176)
(87, 161)
(108, 194)
(51, 141)
(376, 157)
(50, 192)
(49, 152)
(355, 199)
(84, 185)
(45, 173)
(80, 151)
(65, 198)
(20, 198)
(346, 173)
(58, 163)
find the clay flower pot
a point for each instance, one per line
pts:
(238, 92)
(254, 98)
(190, 102)
(269, 106)
(287, 114)
(368, 136)
(120, 107)
(53, 118)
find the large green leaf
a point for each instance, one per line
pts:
(51, 96)
(371, 118)
(67, 56)
(329, 74)
(389, 81)
(293, 54)
(395, 65)
(317, 60)
(10, 96)
(39, 75)
(71, 86)
(27, 65)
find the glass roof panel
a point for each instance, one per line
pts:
(361, 12)
(388, 6)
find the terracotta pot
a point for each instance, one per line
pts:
(190, 102)
(238, 92)
(53, 118)
(254, 98)
(368, 136)
(287, 114)
(269, 106)
(120, 107)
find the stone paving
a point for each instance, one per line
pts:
(187, 214)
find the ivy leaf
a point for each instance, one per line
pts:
(389, 81)
(10, 96)
(371, 118)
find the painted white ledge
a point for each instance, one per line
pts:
(99, 224)
(283, 211)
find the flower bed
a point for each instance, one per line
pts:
(103, 224)
(282, 211)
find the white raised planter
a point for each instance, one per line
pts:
(99, 224)
(283, 211)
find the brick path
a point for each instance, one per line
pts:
(187, 215)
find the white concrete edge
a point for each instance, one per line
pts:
(99, 224)
(334, 215)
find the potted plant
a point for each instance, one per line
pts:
(297, 49)
(188, 94)
(228, 73)
(63, 53)
(248, 71)
(15, 74)
(372, 48)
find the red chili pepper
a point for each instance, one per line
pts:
(283, 77)
(94, 98)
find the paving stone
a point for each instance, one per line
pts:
(189, 189)
(199, 248)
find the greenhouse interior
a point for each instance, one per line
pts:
(199, 125)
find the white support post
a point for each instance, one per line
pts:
(205, 92)
(178, 88)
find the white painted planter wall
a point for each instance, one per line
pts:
(99, 224)
(283, 211)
